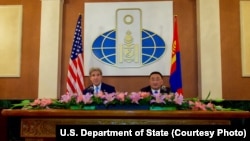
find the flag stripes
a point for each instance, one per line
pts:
(175, 79)
(75, 82)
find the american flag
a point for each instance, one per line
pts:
(75, 83)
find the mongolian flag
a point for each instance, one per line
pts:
(175, 79)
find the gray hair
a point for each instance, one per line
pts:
(95, 69)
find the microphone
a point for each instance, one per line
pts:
(91, 89)
(164, 89)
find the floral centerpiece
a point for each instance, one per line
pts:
(102, 100)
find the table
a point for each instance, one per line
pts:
(41, 124)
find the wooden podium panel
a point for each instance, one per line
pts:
(41, 124)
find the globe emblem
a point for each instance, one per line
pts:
(104, 47)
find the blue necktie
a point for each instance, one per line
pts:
(155, 92)
(96, 89)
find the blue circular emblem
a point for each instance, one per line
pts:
(104, 47)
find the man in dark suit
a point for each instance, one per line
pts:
(95, 75)
(155, 84)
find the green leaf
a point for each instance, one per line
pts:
(208, 95)
(22, 104)
(218, 100)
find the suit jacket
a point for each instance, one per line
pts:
(104, 88)
(164, 89)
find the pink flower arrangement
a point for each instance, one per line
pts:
(198, 105)
(106, 98)
(119, 98)
(167, 99)
(43, 103)
(123, 98)
(39, 103)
